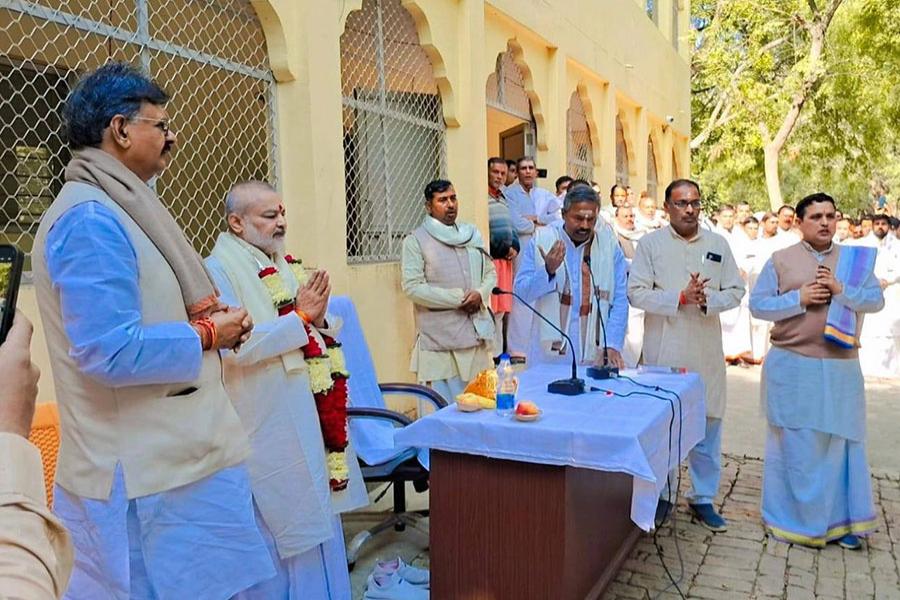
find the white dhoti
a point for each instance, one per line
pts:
(736, 331)
(634, 337)
(319, 573)
(879, 352)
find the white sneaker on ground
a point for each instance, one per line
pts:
(392, 587)
(414, 575)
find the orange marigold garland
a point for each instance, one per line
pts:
(327, 377)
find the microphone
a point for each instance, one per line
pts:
(567, 387)
(606, 371)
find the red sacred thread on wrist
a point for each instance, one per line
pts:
(681, 299)
(306, 318)
(207, 331)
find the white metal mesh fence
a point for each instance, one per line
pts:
(393, 129)
(579, 152)
(209, 55)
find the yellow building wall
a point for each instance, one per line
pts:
(616, 57)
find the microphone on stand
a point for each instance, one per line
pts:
(605, 371)
(567, 387)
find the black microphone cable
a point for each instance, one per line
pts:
(673, 582)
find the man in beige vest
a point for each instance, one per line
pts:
(816, 484)
(684, 276)
(269, 383)
(35, 549)
(150, 480)
(449, 277)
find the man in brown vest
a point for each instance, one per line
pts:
(449, 277)
(150, 480)
(816, 486)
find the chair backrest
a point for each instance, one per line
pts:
(45, 435)
(372, 439)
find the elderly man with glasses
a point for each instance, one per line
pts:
(684, 277)
(151, 480)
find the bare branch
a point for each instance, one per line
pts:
(813, 7)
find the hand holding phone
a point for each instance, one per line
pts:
(20, 379)
(11, 262)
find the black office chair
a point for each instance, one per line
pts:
(397, 471)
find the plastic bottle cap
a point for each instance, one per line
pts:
(504, 356)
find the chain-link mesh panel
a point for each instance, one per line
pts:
(393, 129)
(652, 174)
(579, 153)
(622, 175)
(505, 88)
(209, 55)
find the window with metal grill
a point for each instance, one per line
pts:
(209, 55)
(579, 152)
(393, 129)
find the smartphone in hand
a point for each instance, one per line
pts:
(11, 262)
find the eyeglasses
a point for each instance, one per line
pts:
(682, 204)
(163, 125)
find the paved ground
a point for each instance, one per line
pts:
(741, 563)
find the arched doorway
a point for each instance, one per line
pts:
(579, 151)
(652, 173)
(510, 123)
(622, 166)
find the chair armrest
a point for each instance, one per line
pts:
(379, 413)
(414, 389)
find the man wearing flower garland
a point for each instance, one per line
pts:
(150, 481)
(288, 384)
(449, 276)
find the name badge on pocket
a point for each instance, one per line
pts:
(712, 256)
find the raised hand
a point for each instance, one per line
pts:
(312, 298)
(554, 257)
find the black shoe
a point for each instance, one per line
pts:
(663, 511)
(708, 517)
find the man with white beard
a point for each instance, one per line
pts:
(879, 353)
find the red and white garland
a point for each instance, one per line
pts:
(327, 375)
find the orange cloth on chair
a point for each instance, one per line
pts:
(45, 435)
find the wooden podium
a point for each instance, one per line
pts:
(504, 529)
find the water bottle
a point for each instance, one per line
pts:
(507, 384)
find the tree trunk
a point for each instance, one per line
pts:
(773, 181)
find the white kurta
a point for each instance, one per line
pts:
(736, 322)
(269, 385)
(685, 336)
(879, 353)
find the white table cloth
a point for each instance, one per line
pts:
(593, 431)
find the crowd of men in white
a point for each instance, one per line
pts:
(753, 238)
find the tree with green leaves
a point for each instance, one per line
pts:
(792, 95)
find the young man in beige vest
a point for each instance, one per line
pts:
(150, 480)
(684, 276)
(449, 276)
(816, 485)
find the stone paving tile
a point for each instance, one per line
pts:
(743, 563)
